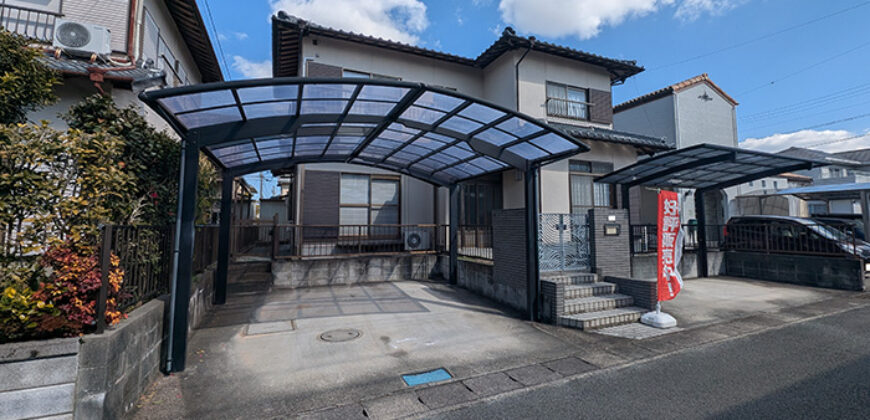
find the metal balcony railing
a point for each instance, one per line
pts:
(32, 23)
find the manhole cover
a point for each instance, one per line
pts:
(339, 335)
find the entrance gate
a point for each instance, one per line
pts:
(564, 243)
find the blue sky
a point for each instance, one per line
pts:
(799, 68)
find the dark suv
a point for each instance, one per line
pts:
(792, 235)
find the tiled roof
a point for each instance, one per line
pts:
(676, 87)
(860, 155)
(142, 77)
(287, 32)
(189, 21)
(800, 152)
(612, 136)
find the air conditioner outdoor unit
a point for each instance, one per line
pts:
(416, 240)
(81, 38)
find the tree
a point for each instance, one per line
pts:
(25, 83)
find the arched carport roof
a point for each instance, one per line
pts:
(430, 133)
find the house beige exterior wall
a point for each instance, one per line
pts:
(702, 121)
(409, 68)
(538, 68)
(655, 118)
(499, 81)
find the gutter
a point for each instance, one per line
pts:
(517, 70)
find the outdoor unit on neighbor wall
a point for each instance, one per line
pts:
(81, 38)
(416, 239)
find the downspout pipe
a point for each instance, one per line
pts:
(517, 70)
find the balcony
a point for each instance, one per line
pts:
(33, 23)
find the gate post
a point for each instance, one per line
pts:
(531, 187)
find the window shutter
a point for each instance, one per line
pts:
(320, 198)
(601, 110)
(316, 69)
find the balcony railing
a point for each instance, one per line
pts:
(32, 23)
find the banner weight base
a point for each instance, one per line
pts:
(658, 320)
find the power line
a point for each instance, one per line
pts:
(848, 93)
(811, 66)
(844, 139)
(760, 38)
(218, 39)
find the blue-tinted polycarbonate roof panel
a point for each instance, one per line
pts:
(422, 131)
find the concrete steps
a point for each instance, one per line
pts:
(601, 319)
(589, 303)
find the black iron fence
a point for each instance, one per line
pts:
(32, 23)
(205, 247)
(644, 238)
(335, 240)
(475, 241)
(795, 238)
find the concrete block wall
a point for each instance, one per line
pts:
(806, 270)
(612, 254)
(38, 378)
(644, 266)
(509, 257)
(352, 270)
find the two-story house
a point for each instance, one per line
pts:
(556, 84)
(686, 113)
(117, 47)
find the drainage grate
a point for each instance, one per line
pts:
(421, 378)
(340, 335)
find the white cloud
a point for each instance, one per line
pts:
(398, 20)
(826, 140)
(585, 18)
(692, 9)
(222, 37)
(240, 35)
(581, 18)
(252, 69)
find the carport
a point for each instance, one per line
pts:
(436, 135)
(704, 168)
(852, 191)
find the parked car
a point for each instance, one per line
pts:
(792, 235)
(844, 224)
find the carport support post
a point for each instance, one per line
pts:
(223, 262)
(454, 233)
(865, 211)
(701, 217)
(183, 258)
(531, 187)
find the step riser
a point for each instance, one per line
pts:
(603, 305)
(590, 291)
(600, 322)
(584, 279)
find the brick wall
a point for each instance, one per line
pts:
(552, 301)
(612, 254)
(509, 255)
(643, 291)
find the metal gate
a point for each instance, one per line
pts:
(564, 243)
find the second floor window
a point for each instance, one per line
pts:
(567, 101)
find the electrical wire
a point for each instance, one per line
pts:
(218, 39)
(760, 38)
(813, 103)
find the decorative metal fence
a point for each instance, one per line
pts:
(564, 243)
(475, 241)
(32, 23)
(644, 238)
(793, 238)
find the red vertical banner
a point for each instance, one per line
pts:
(669, 279)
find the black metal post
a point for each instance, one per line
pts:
(865, 211)
(183, 258)
(531, 187)
(105, 267)
(454, 233)
(223, 260)
(626, 197)
(701, 217)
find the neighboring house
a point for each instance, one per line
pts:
(687, 113)
(273, 207)
(849, 167)
(129, 46)
(553, 83)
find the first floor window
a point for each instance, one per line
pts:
(368, 200)
(585, 192)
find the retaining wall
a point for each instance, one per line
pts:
(644, 266)
(806, 270)
(353, 270)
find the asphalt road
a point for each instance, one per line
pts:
(815, 369)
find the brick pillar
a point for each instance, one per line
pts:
(612, 253)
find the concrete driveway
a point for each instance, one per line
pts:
(262, 355)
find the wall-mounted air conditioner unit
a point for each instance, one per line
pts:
(417, 240)
(81, 38)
